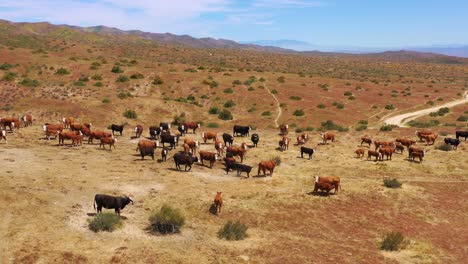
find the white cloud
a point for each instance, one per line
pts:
(249, 18)
(286, 3)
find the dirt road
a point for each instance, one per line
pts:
(277, 105)
(400, 120)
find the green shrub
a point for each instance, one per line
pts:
(351, 98)
(212, 125)
(299, 130)
(28, 82)
(321, 106)
(389, 107)
(106, 100)
(330, 125)
(251, 88)
(130, 114)
(363, 122)
(105, 222)
(339, 106)
(137, 76)
(214, 84)
(262, 79)
(309, 128)
(117, 69)
(5, 66)
(348, 93)
(430, 103)
(229, 104)
(228, 91)
(392, 183)
(274, 91)
(225, 115)
(166, 220)
(445, 147)
(392, 241)
(62, 71)
(299, 112)
(97, 77)
(442, 111)
(9, 76)
(214, 110)
(233, 231)
(431, 123)
(462, 118)
(190, 70)
(361, 127)
(98, 84)
(79, 83)
(295, 98)
(266, 113)
(83, 79)
(281, 79)
(122, 79)
(237, 82)
(387, 127)
(157, 80)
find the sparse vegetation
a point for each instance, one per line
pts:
(213, 110)
(137, 76)
(117, 69)
(233, 231)
(445, 147)
(281, 79)
(295, 98)
(229, 104)
(299, 112)
(122, 79)
(225, 115)
(62, 71)
(28, 82)
(387, 127)
(228, 91)
(389, 107)
(131, 114)
(166, 220)
(321, 106)
(330, 125)
(105, 222)
(157, 80)
(266, 113)
(431, 123)
(392, 241)
(392, 183)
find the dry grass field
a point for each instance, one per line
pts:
(47, 191)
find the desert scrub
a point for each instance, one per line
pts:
(158, 80)
(28, 82)
(130, 114)
(62, 71)
(122, 79)
(299, 112)
(233, 231)
(229, 104)
(225, 115)
(444, 147)
(105, 222)
(266, 113)
(387, 127)
(117, 69)
(295, 98)
(392, 183)
(392, 241)
(166, 220)
(214, 110)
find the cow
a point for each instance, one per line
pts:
(387, 151)
(51, 133)
(360, 152)
(181, 129)
(155, 132)
(300, 141)
(164, 153)
(165, 126)
(284, 129)
(367, 140)
(419, 134)
(400, 147)
(67, 135)
(219, 146)
(228, 139)
(413, 149)
(430, 139)
(332, 180)
(379, 144)
(108, 141)
(231, 164)
(111, 202)
(323, 186)
(191, 125)
(372, 153)
(218, 202)
(209, 136)
(265, 166)
(183, 159)
(79, 127)
(193, 145)
(417, 154)
(284, 143)
(10, 122)
(138, 131)
(452, 141)
(308, 151)
(67, 121)
(242, 130)
(76, 139)
(147, 147)
(3, 136)
(55, 127)
(97, 135)
(209, 156)
(255, 138)
(405, 142)
(459, 134)
(238, 151)
(243, 168)
(327, 136)
(187, 149)
(117, 128)
(170, 139)
(27, 120)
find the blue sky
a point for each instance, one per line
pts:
(368, 23)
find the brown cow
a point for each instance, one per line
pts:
(209, 136)
(367, 140)
(417, 154)
(98, 135)
(3, 135)
(27, 120)
(265, 166)
(430, 139)
(187, 149)
(333, 180)
(76, 139)
(237, 151)
(218, 202)
(371, 153)
(193, 145)
(413, 149)
(54, 127)
(327, 136)
(323, 186)
(284, 129)
(400, 148)
(219, 146)
(79, 127)
(52, 133)
(360, 152)
(68, 121)
(191, 125)
(108, 141)
(209, 156)
(379, 144)
(419, 134)
(138, 131)
(67, 135)
(147, 147)
(405, 142)
(387, 151)
(284, 143)
(302, 139)
(10, 122)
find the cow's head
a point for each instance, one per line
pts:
(44, 127)
(156, 144)
(4, 133)
(165, 151)
(380, 155)
(136, 129)
(198, 125)
(160, 129)
(197, 143)
(196, 159)
(80, 133)
(175, 139)
(169, 125)
(316, 178)
(216, 156)
(182, 127)
(203, 134)
(64, 120)
(416, 133)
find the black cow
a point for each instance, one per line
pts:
(164, 152)
(307, 151)
(181, 129)
(243, 130)
(228, 139)
(111, 202)
(184, 159)
(117, 128)
(255, 138)
(460, 134)
(155, 132)
(231, 166)
(452, 141)
(243, 168)
(165, 126)
(168, 138)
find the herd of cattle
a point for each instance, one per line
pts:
(223, 149)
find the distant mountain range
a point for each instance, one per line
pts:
(449, 50)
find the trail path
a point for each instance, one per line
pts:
(280, 111)
(400, 120)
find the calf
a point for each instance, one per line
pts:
(255, 138)
(332, 180)
(284, 143)
(3, 136)
(284, 129)
(117, 128)
(108, 141)
(228, 139)
(413, 149)
(77, 139)
(67, 135)
(372, 153)
(181, 129)
(55, 127)
(147, 147)
(231, 164)
(379, 144)
(209, 136)
(452, 141)
(164, 153)
(360, 152)
(308, 151)
(27, 120)
(400, 147)
(327, 136)
(323, 186)
(265, 166)
(51, 133)
(209, 156)
(302, 139)
(192, 145)
(138, 131)
(111, 202)
(218, 202)
(387, 152)
(165, 126)
(459, 134)
(183, 159)
(154, 132)
(219, 146)
(67, 121)
(366, 140)
(243, 168)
